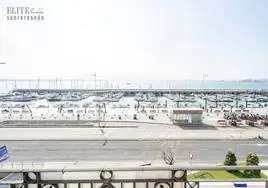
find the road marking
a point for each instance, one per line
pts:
(254, 145)
(264, 155)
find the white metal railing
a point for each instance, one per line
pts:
(22, 165)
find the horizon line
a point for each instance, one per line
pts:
(125, 79)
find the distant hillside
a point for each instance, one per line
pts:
(245, 81)
(255, 81)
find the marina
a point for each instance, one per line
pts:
(90, 107)
(134, 94)
(154, 105)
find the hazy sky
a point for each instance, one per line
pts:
(146, 39)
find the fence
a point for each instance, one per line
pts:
(115, 177)
(22, 165)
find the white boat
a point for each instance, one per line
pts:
(41, 106)
(170, 96)
(184, 99)
(70, 105)
(85, 95)
(151, 99)
(250, 99)
(139, 99)
(99, 99)
(262, 99)
(119, 95)
(19, 98)
(225, 99)
(5, 95)
(113, 98)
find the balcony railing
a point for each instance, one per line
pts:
(114, 177)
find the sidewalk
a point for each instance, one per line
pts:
(143, 132)
(85, 164)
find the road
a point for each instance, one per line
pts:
(204, 151)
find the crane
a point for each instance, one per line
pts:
(95, 79)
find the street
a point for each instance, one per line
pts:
(203, 151)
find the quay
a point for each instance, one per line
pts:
(155, 91)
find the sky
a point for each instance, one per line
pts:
(137, 39)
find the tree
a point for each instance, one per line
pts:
(252, 160)
(168, 157)
(233, 119)
(167, 154)
(230, 158)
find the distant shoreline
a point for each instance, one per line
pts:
(244, 81)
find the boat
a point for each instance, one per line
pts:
(151, 99)
(85, 95)
(19, 98)
(250, 99)
(36, 96)
(42, 106)
(112, 98)
(70, 105)
(72, 98)
(99, 99)
(184, 99)
(119, 95)
(226, 99)
(5, 94)
(54, 98)
(170, 96)
(139, 97)
(262, 99)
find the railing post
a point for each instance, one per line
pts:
(266, 184)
